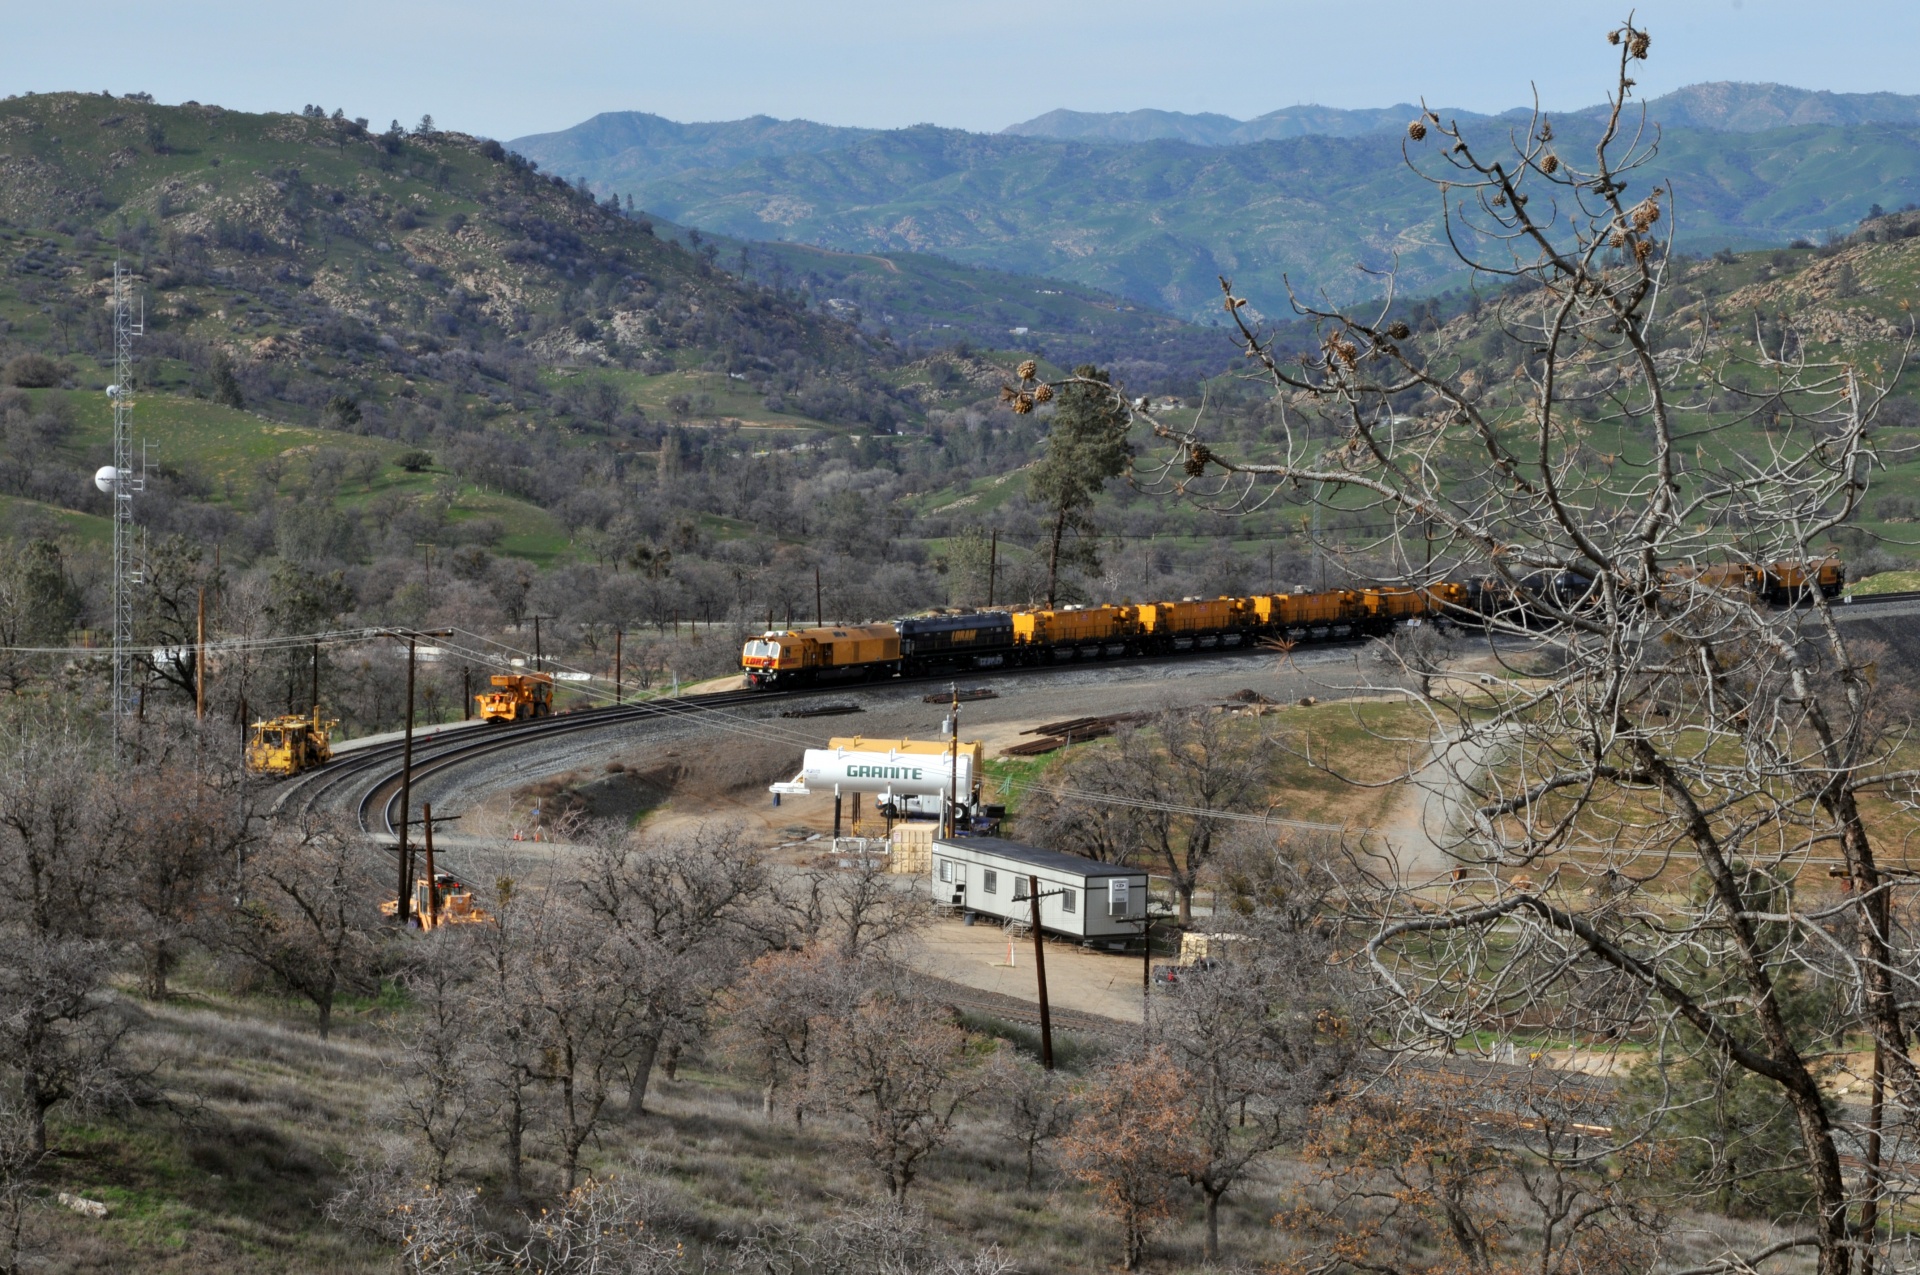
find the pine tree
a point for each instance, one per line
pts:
(1088, 446)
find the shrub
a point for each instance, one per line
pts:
(414, 461)
(33, 372)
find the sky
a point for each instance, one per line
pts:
(505, 68)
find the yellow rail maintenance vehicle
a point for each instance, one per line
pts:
(286, 746)
(791, 657)
(516, 697)
(445, 902)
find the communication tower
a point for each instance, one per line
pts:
(123, 482)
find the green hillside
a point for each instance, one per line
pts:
(420, 279)
(926, 301)
(1158, 221)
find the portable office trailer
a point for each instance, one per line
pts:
(1095, 902)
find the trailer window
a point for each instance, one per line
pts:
(1019, 889)
(990, 881)
(946, 871)
(1069, 901)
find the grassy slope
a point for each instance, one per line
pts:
(226, 446)
(392, 234)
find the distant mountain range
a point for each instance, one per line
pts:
(1723, 106)
(1155, 205)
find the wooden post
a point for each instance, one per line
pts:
(433, 890)
(316, 679)
(200, 660)
(953, 775)
(1040, 972)
(993, 563)
(404, 908)
(466, 692)
(836, 814)
(819, 611)
(536, 644)
(617, 636)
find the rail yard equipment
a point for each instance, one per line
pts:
(286, 746)
(442, 901)
(517, 697)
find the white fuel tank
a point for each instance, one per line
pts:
(902, 774)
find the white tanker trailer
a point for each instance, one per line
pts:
(906, 776)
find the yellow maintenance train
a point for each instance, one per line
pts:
(990, 639)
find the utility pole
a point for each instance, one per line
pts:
(433, 892)
(316, 677)
(536, 641)
(993, 564)
(1040, 972)
(403, 896)
(617, 636)
(953, 776)
(466, 692)
(819, 611)
(200, 659)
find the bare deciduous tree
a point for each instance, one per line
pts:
(1036, 1105)
(440, 1054)
(308, 918)
(775, 1018)
(1157, 792)
(858, 911)
(1262, 1040)
(679, 910)
(1643, 827)
(901, 1066)
(1129, 1144)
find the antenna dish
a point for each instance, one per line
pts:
(106, 478)
(113, 391)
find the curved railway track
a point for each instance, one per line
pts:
(367, 780)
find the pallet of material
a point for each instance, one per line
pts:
(822, 710)
(1085, 727)
(1036, 747)
(965, 697)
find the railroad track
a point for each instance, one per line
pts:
(1876, 599)
(369, 779)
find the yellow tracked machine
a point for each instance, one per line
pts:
(516, 697)
(286, 746)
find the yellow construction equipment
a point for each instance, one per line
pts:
(286, 746)
(447, 903)
(516, 697)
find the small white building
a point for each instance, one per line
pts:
(1080, 898)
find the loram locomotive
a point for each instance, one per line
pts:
(991, 639)
(1023, 636)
